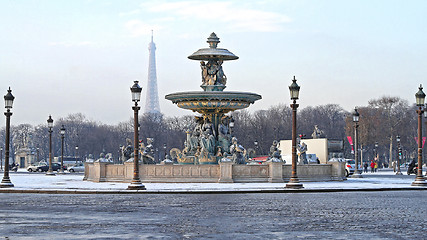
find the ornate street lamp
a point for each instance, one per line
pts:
(256, 147)
(1, 158)
(231, 125)
(420, 98)
(50, 126)
(62, 132)
(77, 153)
(8, 99)
(375, 150)
(294, 91)
(399, 156)
(136, 183)
(164, 149)
(356, 173)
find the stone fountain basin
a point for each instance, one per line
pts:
(218, 101)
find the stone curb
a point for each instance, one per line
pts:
(237, 191)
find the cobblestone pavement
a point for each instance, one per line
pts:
(346, 215)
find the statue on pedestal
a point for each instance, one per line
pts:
(302, 149)
(127, 151)
(238, 152)
(275, 153)
(317, 133)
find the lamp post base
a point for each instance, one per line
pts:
(50, 173)
(136, 185)
(294, 184)
(356, 175)
(399, 173)
(419, 182)
(6, 183)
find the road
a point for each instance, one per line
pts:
(345, 215)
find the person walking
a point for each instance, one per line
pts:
(365, 167)
(375, 167)
(372, 166)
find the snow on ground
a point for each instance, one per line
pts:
(381, 179)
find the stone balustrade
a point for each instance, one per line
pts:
(225, 172)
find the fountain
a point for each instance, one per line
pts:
(211, 139)
(211, 154)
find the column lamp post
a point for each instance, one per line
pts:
(293, 181)
(256, 148)
(50, 126)
(77, 153)
(399, 156)
(8, 99)
(136, 183)
(1, 158)
(375, 151)
(420, 98)
(165, 147)
(231, 125)
(62, 132)
(356, 173)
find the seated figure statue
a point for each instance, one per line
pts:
(238, 152)
(275, 153)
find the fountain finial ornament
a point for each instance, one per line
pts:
(213, 40)
(211, 59)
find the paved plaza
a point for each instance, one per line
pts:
(73, 183)
(339, 215)
(384, 206)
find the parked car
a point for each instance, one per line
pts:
(33, 168)
(77, 168)
(350, 166)
(55, 167)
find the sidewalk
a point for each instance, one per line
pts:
(73, 183)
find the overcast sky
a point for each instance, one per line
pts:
(81, 56)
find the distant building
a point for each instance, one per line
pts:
(152, 99)
(24, 157)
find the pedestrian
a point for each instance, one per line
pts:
(372, 166)
(376, 167)
(365, 167)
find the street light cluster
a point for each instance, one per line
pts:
(293, 183)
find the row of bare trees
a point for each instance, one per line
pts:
(380, 122)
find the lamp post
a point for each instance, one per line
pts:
(62, 132)
(375, 151)
(399, 156)
(256, 148)
(420, 98)
(38, 149)
(356, 173)
(164, 150)
(136, 183)
(294, 91)
(231, 125)
(8, 99)
(50, 125)
(77, 153)
(1, 158)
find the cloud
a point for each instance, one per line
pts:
(72, 44)
(237, 17)
(130, 13)
(138, 28)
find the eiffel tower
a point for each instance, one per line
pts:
(152, 98)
